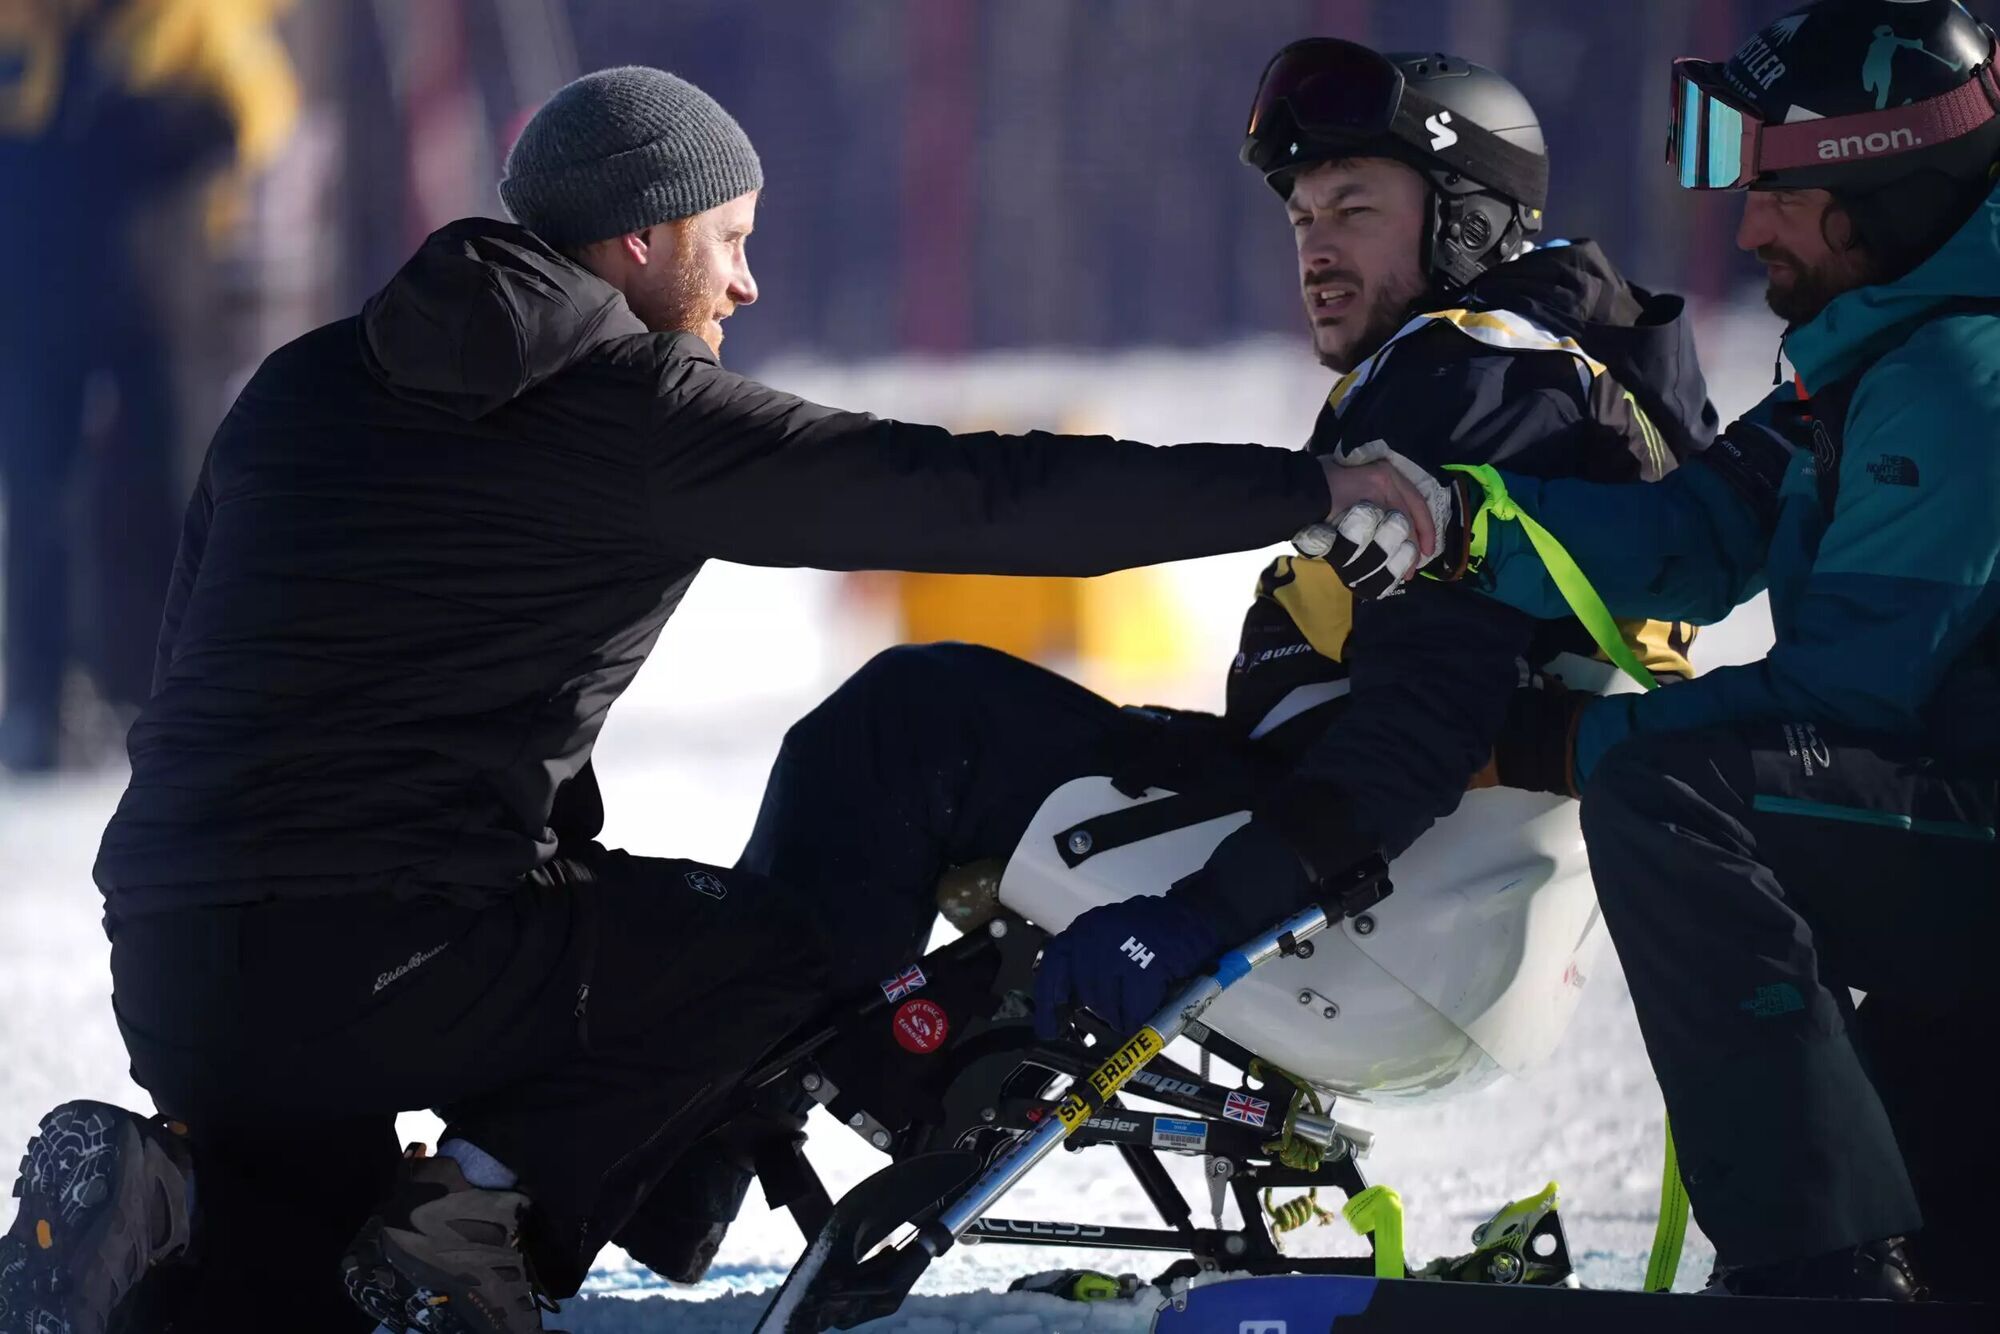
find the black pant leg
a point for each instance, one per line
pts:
(930, 756)
(1917, 1056)
(693, 974)
(276, 1205)
(1737, 927)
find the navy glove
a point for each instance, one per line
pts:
(1121, 960)
(1536, 746)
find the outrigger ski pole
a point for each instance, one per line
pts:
(838, 1283)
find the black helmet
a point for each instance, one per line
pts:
(1892, 105)
(1469, 132)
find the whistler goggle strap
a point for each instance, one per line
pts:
(1716, 141)
(1567, 575)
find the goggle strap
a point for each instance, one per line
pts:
(1880, 133)
(1477, 152)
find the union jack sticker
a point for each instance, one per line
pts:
(1242, 1107)
(902, 984)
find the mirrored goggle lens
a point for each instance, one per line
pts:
(1331, 87)
(1707, 142)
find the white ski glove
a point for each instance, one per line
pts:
(1372, 549)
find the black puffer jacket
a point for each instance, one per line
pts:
(432, 544)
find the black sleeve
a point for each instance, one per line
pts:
(1431, 672)
(187, 565)
(742, 472)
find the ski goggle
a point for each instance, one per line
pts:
(1717, 141)
(1331, 89)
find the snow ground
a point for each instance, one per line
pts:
(683, 763)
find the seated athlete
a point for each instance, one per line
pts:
(1349, 728)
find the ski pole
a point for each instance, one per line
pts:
(1086, 1097)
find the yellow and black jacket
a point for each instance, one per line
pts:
(1550, 365)
(103, 103)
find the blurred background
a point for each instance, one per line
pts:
(1001, 215)
(992, 215)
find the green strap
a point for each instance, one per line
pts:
(1569, 578)
(1665, 1260)
(1589, 608)
(1379, 1210)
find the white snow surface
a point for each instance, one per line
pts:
(682, 764)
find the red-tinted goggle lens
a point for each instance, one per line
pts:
(1331, 87)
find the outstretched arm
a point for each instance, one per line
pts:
(745, 473)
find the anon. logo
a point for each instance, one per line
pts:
(1858, 145)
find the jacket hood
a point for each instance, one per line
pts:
(1644, 337)
(1859, 326)
(484, 312)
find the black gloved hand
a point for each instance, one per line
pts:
(1536, 747)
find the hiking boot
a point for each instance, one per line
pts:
(106, 1196)
(444, 1257)
(1877, 1271)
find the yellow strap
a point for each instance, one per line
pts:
(1569, 579)
(1380, 1210)
(1665, 1260)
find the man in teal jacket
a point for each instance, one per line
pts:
(1765, 837)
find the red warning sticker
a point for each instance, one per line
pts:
(920, 1026)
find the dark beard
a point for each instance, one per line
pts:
(1387, 312)
(1808, 295)
(1812, 289)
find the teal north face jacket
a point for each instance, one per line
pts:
(1884, 611)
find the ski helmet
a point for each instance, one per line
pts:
(1891, 105)
(1468, 132)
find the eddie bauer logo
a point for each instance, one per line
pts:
(414, 962)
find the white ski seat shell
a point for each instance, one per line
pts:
(1471, 968)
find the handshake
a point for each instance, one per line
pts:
(1392, 520)
(1389, 520)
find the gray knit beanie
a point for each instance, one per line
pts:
(621, 150)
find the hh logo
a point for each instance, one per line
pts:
(1442, 135)
(1138, 953)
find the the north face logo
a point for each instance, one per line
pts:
(1894, 470)
(1770, 1002)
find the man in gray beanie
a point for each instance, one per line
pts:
(356, 869)
(620, 155)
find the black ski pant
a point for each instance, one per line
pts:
(933, 756)
(1749, 877)
(583, 1030)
